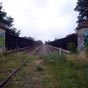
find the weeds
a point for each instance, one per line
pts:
(56, 71)
(39, 68)
(9, 62)
(69, 71)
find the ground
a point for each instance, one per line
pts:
(47, 70)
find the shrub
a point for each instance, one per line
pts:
(72, 48)
(39, 68)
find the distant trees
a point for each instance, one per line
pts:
(82, 8)
(39, 42)
(8, 21)
(29, 38)
(14, 31)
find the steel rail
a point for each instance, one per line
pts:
(60, 49)
(4, 82)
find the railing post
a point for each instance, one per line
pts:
(60, 52)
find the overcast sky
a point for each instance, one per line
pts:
(43, 19)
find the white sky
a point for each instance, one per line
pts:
(43, 19)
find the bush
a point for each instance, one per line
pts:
(72, 48)
(86, 50)
(39, 68)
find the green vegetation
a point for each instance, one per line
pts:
(8, 20)
(70, 71)
(9, 62)
(86, 50)
(2, 41)
(39, 68)
(51, 71)
(72, 48)
(82, 8)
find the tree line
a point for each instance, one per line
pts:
(8, 21)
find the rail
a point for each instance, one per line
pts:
(4, 82)
(60, 49)
(17, 50)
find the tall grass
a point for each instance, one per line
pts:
(9, 62)
(55, 71)
(69, 71)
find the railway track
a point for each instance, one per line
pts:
(4, 82)
(27, 49)
(37, 50)
(47, 49)
(59, 49)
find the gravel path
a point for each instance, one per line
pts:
(42, 50)
(34, 74)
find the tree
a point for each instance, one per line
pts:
(39, 42)
(8, 21)
(29, 38)
(82, 8)
(2, 14)
(14, 31)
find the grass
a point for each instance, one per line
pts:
(69, 71)
(39, 68)
(51, 71)
(9, 62)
